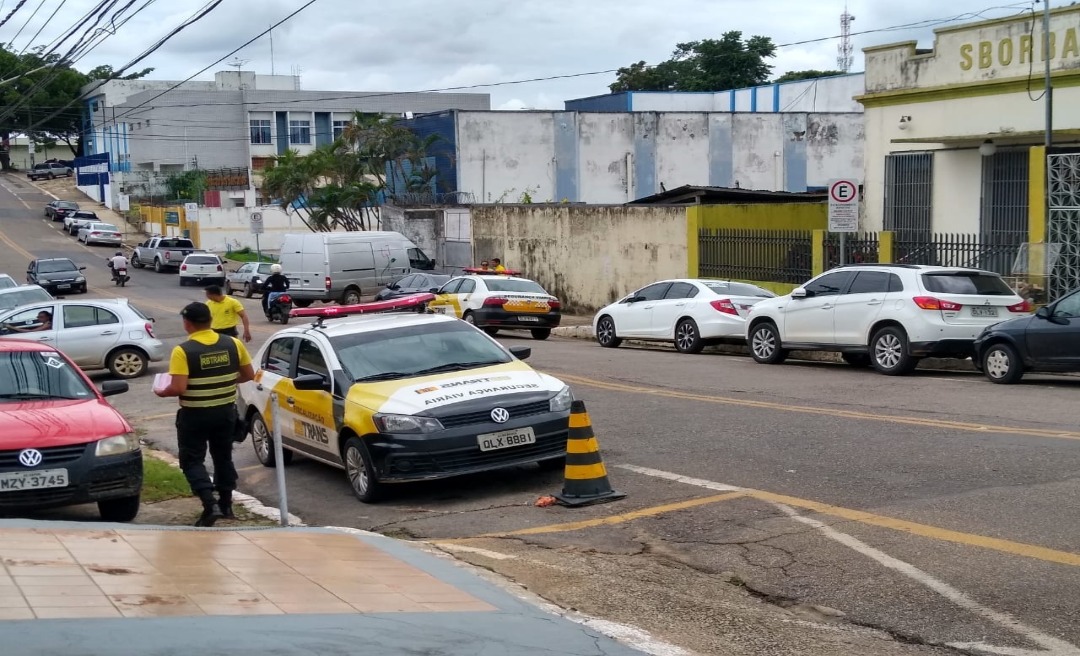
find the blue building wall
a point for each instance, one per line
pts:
(610, 102)
(444, 151)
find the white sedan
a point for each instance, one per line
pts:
(689, 313)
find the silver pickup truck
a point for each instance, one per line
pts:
(163, 253)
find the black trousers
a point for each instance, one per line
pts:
(197, 431)
(231, 332)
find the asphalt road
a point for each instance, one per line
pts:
(937, 507)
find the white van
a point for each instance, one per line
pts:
(342, 266)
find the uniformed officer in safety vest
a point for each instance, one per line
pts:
(205, 371)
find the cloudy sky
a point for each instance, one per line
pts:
(409, 45)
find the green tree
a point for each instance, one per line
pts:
(795, 76)
(188, 185)
(729, 62)
(105, 72)
(340, 185)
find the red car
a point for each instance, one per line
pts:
(61, 443)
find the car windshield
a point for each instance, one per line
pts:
(67, 205)
(508, 285)
(7, 282)
(265, 269)
(84, 215)
(30, 375)
(438, 281)
(201, 259)
(30, 294)
(104, 227)
(966, 282)
(56, 266)
(416, 350)
(739, 289)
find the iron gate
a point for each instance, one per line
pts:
(1063, 223)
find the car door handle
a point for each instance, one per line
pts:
(874, 302)
(109, 332)
(826, 307)
(44, 339)
(290, 400)
(649, 307)
(680, 304)
(259, 387)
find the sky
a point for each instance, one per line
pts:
(410, 45)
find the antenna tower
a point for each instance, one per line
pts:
(846, 49)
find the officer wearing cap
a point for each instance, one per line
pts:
(205, 372)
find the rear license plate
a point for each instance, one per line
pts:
(506, 439)
(977, 311)
(33, 480)
(528, 318)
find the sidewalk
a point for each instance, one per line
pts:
(84, 588)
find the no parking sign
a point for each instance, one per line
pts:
(844, 206)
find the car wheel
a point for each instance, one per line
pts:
(856, 359)
(84, 289)
(127, 363)
(135, 262)
(889, 352)
(263, 442)
(248, 291)
(605, 333)
(469, 318)
(1002, 365)
(119, 510)
(541, 333)
(491, 331)
(687, 337)
(350, 297)
(765, 346)
(361, 473)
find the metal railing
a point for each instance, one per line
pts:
(859, 248)
(783, 256)
(995, 252)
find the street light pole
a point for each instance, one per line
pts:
(1049, 82)
(1049, 142)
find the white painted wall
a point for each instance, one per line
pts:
(222, 229)
(605, 147)
(834, 147)
(759, 149)
(682, 149)
(501, 154)
(832, 94)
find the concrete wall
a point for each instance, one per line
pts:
(608, 157)
(588, 256)
(222, 229)
(973, 85)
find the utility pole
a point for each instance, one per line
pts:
(29, 136)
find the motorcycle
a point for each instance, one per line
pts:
(120, 277)
(278, 308)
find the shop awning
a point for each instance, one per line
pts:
(1034, 137)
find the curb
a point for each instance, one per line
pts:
(586, 332)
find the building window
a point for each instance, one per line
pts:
(260, 131)
(909, 189)
(300, 132)
(339, 127)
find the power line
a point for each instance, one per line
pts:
(40, 5)
(18, 6)
(43, 26)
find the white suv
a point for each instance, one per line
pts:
(886, 315)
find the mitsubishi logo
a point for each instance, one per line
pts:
(987, 302)
(32, 457)
(500, 415)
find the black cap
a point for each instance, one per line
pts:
(196, 312)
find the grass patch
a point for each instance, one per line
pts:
(248, 255)
(162, 481)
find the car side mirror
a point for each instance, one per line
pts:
(433, 290)
(114, 387)
(521, 352)
(393, 285)
(311, 383)
(1043, 312)
(799, 292)
(82, 268)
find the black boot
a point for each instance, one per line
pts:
(211, 512)
(225, 504)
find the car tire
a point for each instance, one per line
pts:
(889, 352)
(135, 262)
(541, 333)
(84, 289)
(687, 337)
(469, 318)
(860, 360)
(491, 331)
(157, 266)
(351, 297)
(262, 440)
(605, 333)
(123, 509)
(1001, 364)
(765, 346)
(301, 303)
(248, 291)
(551, 464)
(126, 363)
(360, 471)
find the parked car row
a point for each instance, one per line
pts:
(885, 316)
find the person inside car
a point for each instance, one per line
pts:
(44, 319)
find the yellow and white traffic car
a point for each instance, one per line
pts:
(493, 301)
(392, 398)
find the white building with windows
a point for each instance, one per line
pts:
(954, 137)
(239, 120)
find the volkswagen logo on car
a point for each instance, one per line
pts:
(500, 415)
(32, 457)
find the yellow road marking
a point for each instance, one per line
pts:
(607, 521)
(830, 412)
(168, 415)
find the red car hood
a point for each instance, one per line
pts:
(42, 424)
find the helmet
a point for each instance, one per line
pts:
(275, 268)
(120, 253)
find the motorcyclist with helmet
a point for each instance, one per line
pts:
(274, 285)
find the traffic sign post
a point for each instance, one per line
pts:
(843, 211)
(256, 225)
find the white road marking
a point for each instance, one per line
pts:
(1051, 646)
(461, 548)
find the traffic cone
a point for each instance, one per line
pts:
(586, 480)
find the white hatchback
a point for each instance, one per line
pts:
(886, 315)
(202, 269)
(690, 313)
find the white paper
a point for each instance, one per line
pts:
(162, 381)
